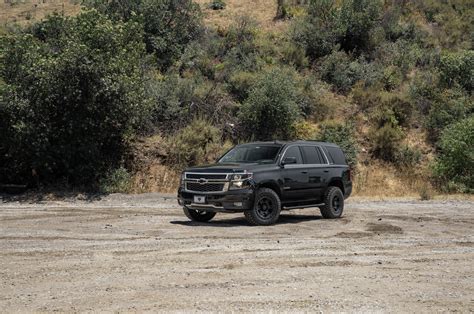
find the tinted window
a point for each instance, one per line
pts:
(336, 155)
(312, 155)
(251, 154)
(294, 151)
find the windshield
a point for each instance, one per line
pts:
(251, 154)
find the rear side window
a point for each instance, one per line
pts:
(312, 155)
(337, 155)
(294, 151)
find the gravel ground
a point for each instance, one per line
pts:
(140, 253)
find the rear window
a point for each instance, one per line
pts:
(337, 155)
(312, 155)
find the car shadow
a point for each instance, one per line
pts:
(241, 221)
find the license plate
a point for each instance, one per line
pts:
(199, 199)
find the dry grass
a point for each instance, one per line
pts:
(155, 178)
(377, 179)
(30, 11)
(262, 11)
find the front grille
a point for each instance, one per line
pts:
(217, 176)
(207, 187)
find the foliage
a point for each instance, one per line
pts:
(116, 181)
(197, 143)
(342, 135)
(271, 110)
(385, 134)
(303, 130)
(448, 107)
(169, 25)
(454, 167)
(357, 19)
(407, 157)
(338, 69)
(457, 69)
(73, 94)
(239, 48)
(319, 31)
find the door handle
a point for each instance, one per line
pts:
(326, 170)
(304, 172)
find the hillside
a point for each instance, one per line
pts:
(384, 79)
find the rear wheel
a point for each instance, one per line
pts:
(266, 208)
(198, 215)
(333, 203)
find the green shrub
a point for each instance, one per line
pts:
(270, 110)
(450, 106)
(303, 130)
(454, 166)
(197, 143)
(458, 69)
(240, 84)
(357, 19)
(385, 135)
(239, 45)
(217, 5)
(392, 77)
(340, 70)
(424, 89)
(71, 99)
(319, 31)
(169, 25)
(116, 181)
(342, 135)
(407, 157)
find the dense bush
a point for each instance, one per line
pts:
(448, 107)
(168, 25)
(270, 110)
(342, 135)
(457, 69)
(319, 30)
(351, 26)
(71, 97)
(197, 143)
(407, 156)
(116, 181)
(239, 47)
(385, 134)
(454, 166)
(357, 20)
(340, 70)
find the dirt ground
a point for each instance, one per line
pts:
(140, 253)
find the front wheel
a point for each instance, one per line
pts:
(266, 208)
(333, 203)
(198, 215)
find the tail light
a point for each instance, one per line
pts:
(349, 174)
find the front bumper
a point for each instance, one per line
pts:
(229, 201)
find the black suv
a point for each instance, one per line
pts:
(263, 178)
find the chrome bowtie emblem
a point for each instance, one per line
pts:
(202, 181)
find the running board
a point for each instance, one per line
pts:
(302, 206)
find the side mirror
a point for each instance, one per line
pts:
(288, 161)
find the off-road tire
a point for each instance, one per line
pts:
(333, 203)
(266, 208)
(196, 215)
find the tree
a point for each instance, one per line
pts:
(169, 25)
(454, 167)
(73, 94)
(271, 110)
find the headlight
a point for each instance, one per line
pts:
(181, 180)
(241, 176)
(240, 181)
